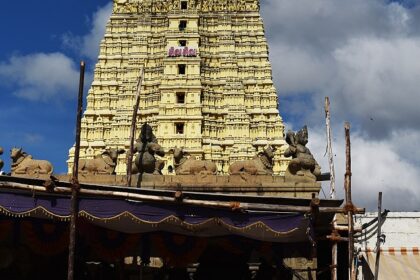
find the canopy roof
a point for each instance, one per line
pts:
(137, 216)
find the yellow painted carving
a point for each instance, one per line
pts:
(229, 110)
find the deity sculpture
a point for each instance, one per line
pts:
(187, 165)
(261, 164)
(119, 5)
(147, 148)
(303, 164)
(104, 163)
(24, 164)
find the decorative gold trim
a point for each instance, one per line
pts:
(261, 224)
(171, 218)
(32, 211)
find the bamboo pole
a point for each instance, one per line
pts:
(349, 204)
(346, 228)
(337, 239)
(341, 228)
(171, 199)
(75, 180)
(133, 128)
(378, 237)
(329, 148)
(332, 185)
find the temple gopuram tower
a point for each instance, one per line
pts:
(207, 84)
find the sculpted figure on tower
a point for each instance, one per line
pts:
(261, 164)
(147, 148)
(24, 164)
(185, 164)
(303, 164)
(105, 163)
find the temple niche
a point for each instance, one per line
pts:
(207, 87)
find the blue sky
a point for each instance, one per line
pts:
(34, 26)
(33, 30)
(363, 54)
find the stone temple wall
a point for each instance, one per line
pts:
(207, 85)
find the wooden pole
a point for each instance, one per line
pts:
(378, 236)
(329, 148)
(332, 185)
(133, 128)
(75, 181)
(346, 228)
(171, 199)
(349, 204)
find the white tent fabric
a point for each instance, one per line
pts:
(401, 263)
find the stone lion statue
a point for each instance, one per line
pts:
(146, 148)
(24, 164)
(104, 163)
(185, 165)
(303, 163)
(261, 164)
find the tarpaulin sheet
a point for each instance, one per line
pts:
(139, 217)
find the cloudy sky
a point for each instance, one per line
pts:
(363, 54)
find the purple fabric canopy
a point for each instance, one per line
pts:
(135, 217)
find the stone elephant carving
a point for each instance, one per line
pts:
(261, 164)
(104, 163)
(190, 166)
(24, 164)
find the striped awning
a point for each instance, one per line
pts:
(395, 263)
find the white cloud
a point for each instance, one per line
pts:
(376, 166)
(364, 56)
(352, 50)
(297, 70)
(88, 45)
(32, 138)
(40, 76)
(381, 79)
(377, 78)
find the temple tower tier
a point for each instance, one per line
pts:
(207, 87)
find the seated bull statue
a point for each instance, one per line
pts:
(303, 163)
(24, 164)
(104, 163)
(261, 164)
(147, 148)
(1, 161)
(187, 165)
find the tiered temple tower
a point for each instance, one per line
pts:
(207, 86)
